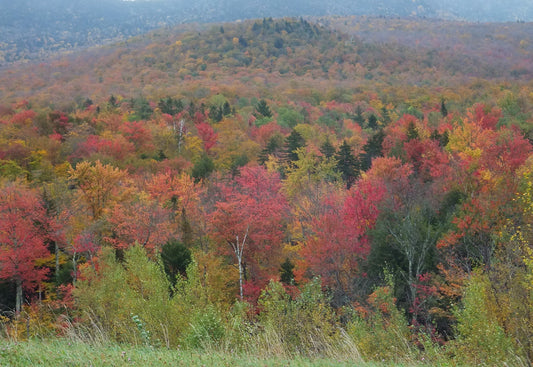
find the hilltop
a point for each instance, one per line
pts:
(33, 29)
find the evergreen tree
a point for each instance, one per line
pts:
(293, 142)
(272, 148)
(286, 272)
(112, 101)
(203, 168)
(262, 109)
(412, 131)
(215, 113)
(226, 109)
(347, 164)
(359, 118)
(327, 149)
(373, 148)
(443, 109)
(175, 257)
(372, 122)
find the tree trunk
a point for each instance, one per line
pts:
(57, 260)
(18, 299)
(239, 260)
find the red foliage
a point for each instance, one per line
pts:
(24, 230)
(252, 208)
(207, 134)
(142, 222)
(117, 148)
(486, 118)
(263, 133)
(137, 134)
(23, 117)
(340, 241)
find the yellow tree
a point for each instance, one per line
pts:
(100, 185)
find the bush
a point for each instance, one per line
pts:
(480, 340)
(206, 329)
(306, 325)
(110, 292)
(383, 332)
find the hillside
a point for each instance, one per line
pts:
(367, 51)
(276, 188)
(34, 29)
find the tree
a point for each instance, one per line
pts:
(294, 141)
(249, 218)
(347, 164)
(372, 149)
(443, 109)
(24, 230)
(327, 149)
(140, 221)
(286, 272)
(100, 185)
(262, 109)
(340, 240)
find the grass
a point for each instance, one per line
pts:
(62, 352)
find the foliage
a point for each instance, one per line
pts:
(480, 339)
(305, 325)
(382, 325)
(109, 293)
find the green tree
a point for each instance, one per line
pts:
(347, 164)
(263, 109)
(202, 168)
(373, 148)
(327, 149)
(294, 141)
(286, 272)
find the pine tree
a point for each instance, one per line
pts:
(347, 164)
(262, 108)
(443, 109)
(372, 122)
(293, 142)
(286, 272)
(327, 149)
(373, 148)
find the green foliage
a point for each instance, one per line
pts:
(347, 164)
(141, 108)
(170, 105)
(372, 149)
(480, 340)
(294, 141)
(206, 329)
(382, 333)
(176, 258)
(306, 325)
(289, 118)
(202, 168)
(286, 271)
(109, 295)
(262, 109)
(327, 149)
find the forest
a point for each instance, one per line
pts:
(353, 188)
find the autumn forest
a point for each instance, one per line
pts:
(319, 187)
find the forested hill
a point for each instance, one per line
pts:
(33, 29)
(355, 182)
(266, 54)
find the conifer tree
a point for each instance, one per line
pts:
(347, 164)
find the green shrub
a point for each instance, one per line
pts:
(480, 340)
(108, 294)
(306, 325)
(383, 332)
(206, 329)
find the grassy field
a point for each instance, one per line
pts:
(59, 352)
